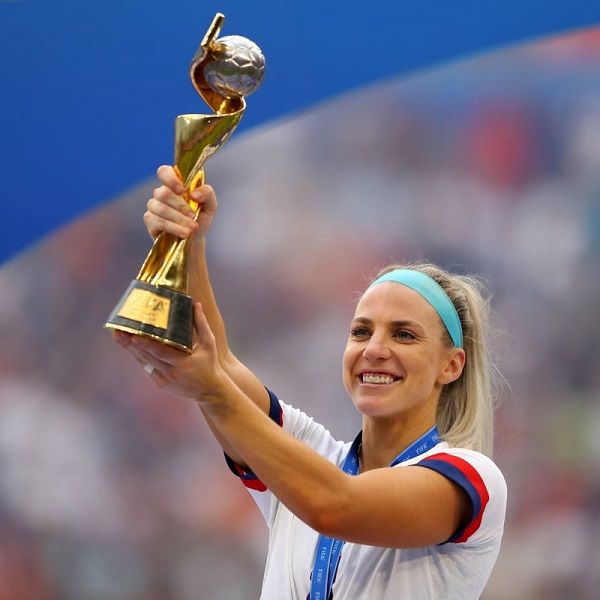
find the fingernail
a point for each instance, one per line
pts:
(196, 194)
(190, 213)
(179, 189)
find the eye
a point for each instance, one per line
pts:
(360, 331)
(404, 335)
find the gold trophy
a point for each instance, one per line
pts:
(223, 71)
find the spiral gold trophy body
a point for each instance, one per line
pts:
(156, 304)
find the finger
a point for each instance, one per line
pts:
(158, 370)
(157, 352)
(205, 196)
(178, 202)
(156, 225)
(159, 379)
(204, 334)
(121, 337)
(169, 177)
(163, 196)
(174, 209)
(142, 355)
(155, 369)
(154, 372)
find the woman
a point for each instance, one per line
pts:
(412, 508)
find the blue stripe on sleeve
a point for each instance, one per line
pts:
(275, 410)
(457, 476)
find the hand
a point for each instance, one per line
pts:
(168, 211)
(197, 376)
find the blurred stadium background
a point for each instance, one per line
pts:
(111, 490)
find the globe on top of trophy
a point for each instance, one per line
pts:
(235, 66)
(226, 69)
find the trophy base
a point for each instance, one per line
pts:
(160, 313)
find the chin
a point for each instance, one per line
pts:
(383, 405)
(373, 406)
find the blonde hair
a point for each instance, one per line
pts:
(465, 409)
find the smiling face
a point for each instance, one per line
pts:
(397, 361)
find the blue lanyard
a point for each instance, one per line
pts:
(329, 550)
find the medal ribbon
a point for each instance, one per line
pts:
(329, 550)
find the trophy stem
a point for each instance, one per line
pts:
(161, 263)
(173, 272)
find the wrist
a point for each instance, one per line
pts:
(217, 392)
(198, 241)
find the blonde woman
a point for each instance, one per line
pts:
(413, 507)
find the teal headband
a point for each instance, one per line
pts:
(433, 293)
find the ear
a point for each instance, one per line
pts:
(453, 365)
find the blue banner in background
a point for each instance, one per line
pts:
(89, 91)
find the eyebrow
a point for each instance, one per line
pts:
(365, 321)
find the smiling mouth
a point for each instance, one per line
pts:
(378, 378)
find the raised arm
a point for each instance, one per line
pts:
(167, 211)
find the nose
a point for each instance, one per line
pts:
(377, 348)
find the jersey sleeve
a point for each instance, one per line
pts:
(485, 486)
(300, 426)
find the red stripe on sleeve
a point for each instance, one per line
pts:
(249, 479)
(254, 484)
(476, 481)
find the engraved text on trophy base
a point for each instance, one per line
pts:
(146, 307)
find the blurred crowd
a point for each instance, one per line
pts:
(109, 489)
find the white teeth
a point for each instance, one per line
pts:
(376, 378)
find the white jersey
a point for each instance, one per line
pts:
(457, 569)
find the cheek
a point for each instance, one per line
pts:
(348, 359)
(425, 370)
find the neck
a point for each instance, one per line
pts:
(384, 439)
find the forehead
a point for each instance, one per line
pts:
(392, 301)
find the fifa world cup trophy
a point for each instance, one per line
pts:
(223, 71)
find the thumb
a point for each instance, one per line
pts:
(204, 333)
